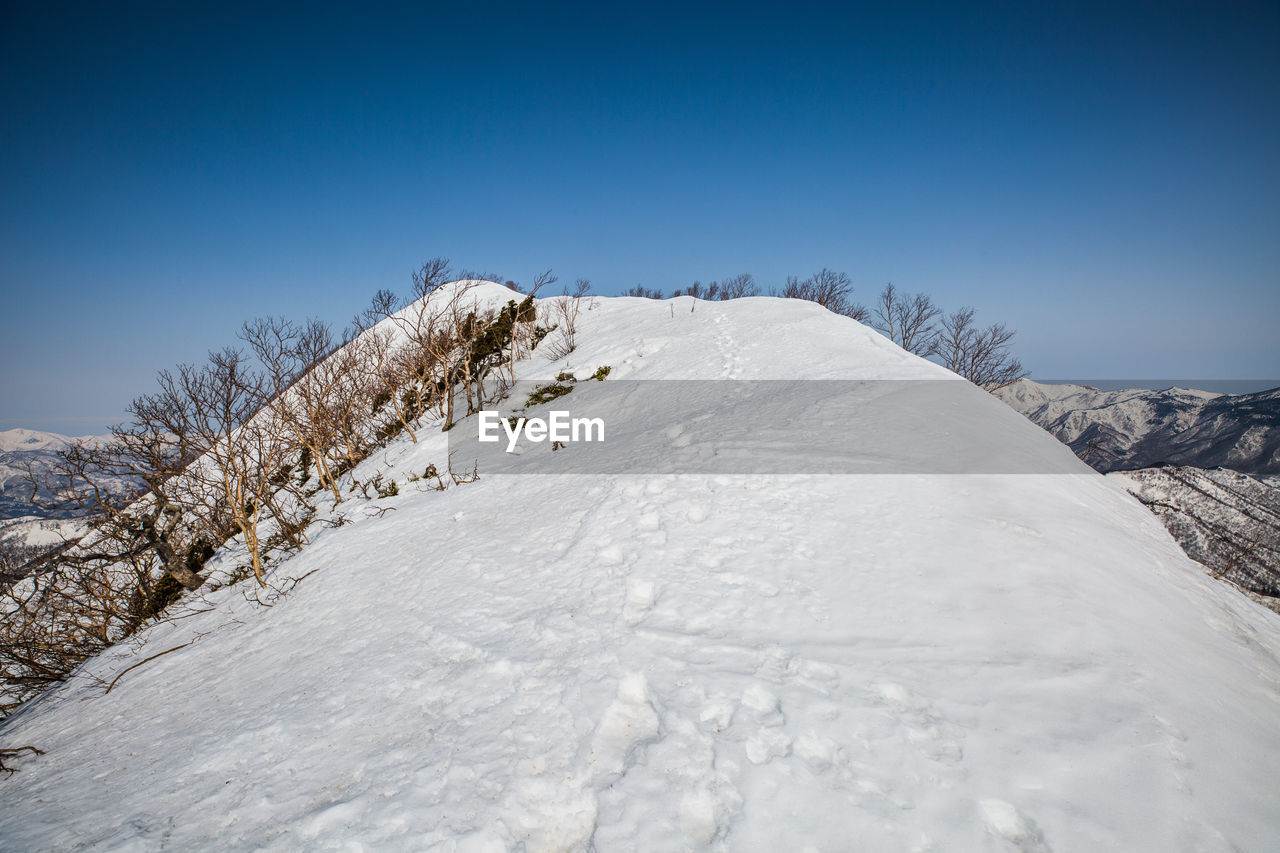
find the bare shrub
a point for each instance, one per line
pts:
(736, 287)
(831, 290)
(563, 313)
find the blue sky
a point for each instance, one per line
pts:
(1102, 178)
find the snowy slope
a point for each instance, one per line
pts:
(26, 538)
(668, 662)
(1227, 521)
(1137, 428)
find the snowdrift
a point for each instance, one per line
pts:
(689, 660)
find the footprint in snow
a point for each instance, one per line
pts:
(609, 555)
(932, 735)
(766, 745)
(639, 601)
(820, 753)
(763, 705)
(629, 722)
(1005, 822)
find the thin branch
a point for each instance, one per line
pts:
(141, 662)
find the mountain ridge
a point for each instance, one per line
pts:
(684, 661)
(1139, 428)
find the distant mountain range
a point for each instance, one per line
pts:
(1136, 428)
(20, 448)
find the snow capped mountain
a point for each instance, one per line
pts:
(20, 448)
(1138, 428)
(18, 440)
(688, 661)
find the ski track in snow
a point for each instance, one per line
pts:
(683, 662)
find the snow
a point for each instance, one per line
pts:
(35, 532)
(689, 661)
(16, 440)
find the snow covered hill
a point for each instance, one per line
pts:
(1138, 428)
(688, 661)
(27, 440)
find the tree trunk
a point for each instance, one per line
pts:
(183, 575)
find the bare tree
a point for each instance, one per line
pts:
(429, 346)
(737, 287)
(356, 386)
(430, 276)
(393, 374)
(153, 529)
(546, 278)
(142, 550)
(479, 275)
(442, 329)
(699, 291)
(383, 305)
(907, 319)
(302, 386)
(420, 356)
(53, 624)
(240, 460)
(980, 355)
(832, 290)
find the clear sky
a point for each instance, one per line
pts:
(1102, 177)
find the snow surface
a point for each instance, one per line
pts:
(32, 531)
(688, 662)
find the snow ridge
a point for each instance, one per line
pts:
(679, 661)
